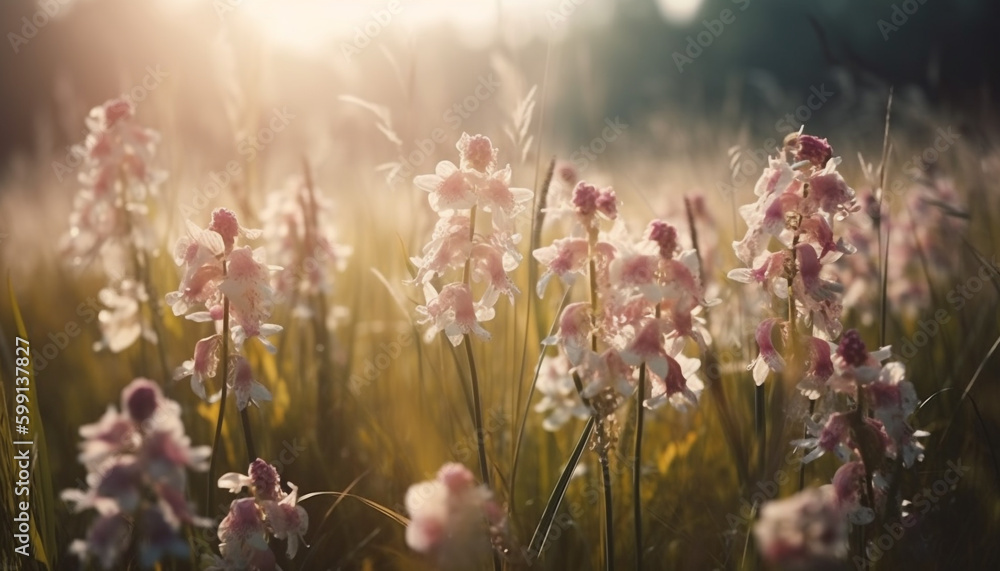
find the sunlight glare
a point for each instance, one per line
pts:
(679, 11)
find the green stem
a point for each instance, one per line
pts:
(609, 536)
(477, 403)
(637, 467)
(477, 410)
(602, 441)
(222, 399)
(760, 425)
(247, 435)
(805, 434)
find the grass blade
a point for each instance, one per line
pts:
(558, 493)
(41, 475)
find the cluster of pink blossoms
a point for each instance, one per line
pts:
(647, 296)
(882, 390)
(216, 271)
(452, 516)
(862, 407)
(109, 217)
(268, 512)
(116, 177)
(456, 194)
(797, 205)
(301, 240)
(137, 461)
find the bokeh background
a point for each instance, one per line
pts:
(209, 75)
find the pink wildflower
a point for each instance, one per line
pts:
(450, 514)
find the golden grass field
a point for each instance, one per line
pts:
(363, 406)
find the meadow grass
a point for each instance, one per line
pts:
(354, 448)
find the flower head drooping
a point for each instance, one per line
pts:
(456, 194)
(242, 383)
(451, 517)
(202, 366)
(270, 512)
(137, 462)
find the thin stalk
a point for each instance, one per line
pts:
(805, 434)
(127, 217)
(712, 366)
(467, 272)
(541, 195)
(247, 435)
(537, 544)
(477, 403)
(222, 399)
(760, 427)
(531, 392)
(477, 410)
(609, 537)
(637, 467)
(141, 269)
(602, 451)
(310, 210)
